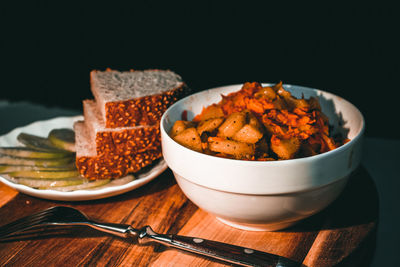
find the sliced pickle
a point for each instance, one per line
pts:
(85, 185)
(25, 152)
(5, 168)
(70, 184)
(49, 183)
(44, 174)
(63, 138)
(9, 160)
(36, 142)
(97, 184)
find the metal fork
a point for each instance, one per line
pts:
(61, 215)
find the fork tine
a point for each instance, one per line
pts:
(59, 215)
(27, 222)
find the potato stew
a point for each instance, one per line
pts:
(258, 123)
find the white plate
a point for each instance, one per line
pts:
(42, 128)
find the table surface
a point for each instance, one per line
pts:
(322, 240)
(343, 233)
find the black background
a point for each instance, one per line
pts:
(48, 48)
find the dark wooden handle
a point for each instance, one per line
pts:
(230, 253)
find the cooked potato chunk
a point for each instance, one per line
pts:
(291, 101)
(237, 149)
(209, 125)
(267, 92)
(232, 124)
(253, 121)
(285, 148)
(189, 138)
(180, 126)
(210, 112)
(248, 134)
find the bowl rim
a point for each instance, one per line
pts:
(275, 162)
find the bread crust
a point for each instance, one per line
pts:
(128, 141)
(112, 165)
(142, 111)
(113, 162)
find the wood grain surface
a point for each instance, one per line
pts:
(341, 235)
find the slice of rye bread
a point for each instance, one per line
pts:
(107, 165)
(124, 140)
(133, 98)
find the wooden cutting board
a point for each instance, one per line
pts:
(341, 235)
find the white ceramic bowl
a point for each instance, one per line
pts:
(256, 195)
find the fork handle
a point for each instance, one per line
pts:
(218, 250)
